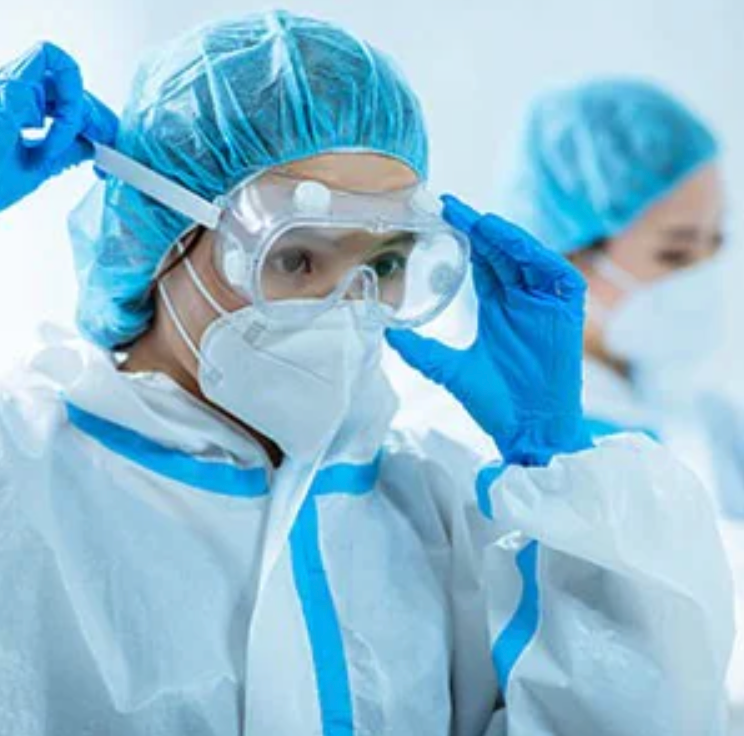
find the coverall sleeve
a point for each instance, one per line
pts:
(591, 597)
(607, 594)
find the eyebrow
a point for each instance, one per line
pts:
(325, 238)
(401, 238)
(687, 232)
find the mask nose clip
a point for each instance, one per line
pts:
(361, 285)
(361, 288)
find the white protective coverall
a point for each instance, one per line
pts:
(417, 593)
(702, 434)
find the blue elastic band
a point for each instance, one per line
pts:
(520, 630)
(215, 477)
(324, 631)
(355, 480)
(486, 477)
(603, 428)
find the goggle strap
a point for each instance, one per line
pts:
(157, 186)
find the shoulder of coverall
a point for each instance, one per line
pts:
(444, 473)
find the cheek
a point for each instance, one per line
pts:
(603, 291)
(194, 314)
(635, 253)
(194, 307)
(228, 296)
(709, 252)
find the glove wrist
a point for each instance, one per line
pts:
(535, 443)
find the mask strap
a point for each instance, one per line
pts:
(157, 186)
(596, 312)
(173, 313)
(198, 283)
(171, 309)
(616, 275)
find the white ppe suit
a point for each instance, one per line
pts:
(699, 429)
(416, 594)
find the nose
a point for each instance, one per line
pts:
(322, 286)
(361, 285)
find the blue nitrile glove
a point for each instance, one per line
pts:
(46, 83)
(520, 380)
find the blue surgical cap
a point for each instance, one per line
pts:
(595, 157)
(213, 109)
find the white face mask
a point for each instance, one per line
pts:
(293, 384)
(675, 319)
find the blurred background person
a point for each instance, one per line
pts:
(625, 181)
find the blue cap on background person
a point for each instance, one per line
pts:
(595, 156)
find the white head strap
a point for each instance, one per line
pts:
(157, 186)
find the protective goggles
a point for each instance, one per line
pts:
(279, 240)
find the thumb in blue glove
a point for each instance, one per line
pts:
(484, 393)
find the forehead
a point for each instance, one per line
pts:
(697, 202)
(353, 172)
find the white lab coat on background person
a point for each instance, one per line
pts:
(700, 426)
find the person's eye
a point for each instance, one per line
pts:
(389, 265)
(675, 258)
(292, 262)
(719, 240)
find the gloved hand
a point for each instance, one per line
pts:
(43, 83)
(520, 380)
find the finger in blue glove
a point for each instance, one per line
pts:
(45, 83)
(521, 377)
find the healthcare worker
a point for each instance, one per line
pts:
(206, 524)
(625, 181)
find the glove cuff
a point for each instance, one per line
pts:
(536, 443)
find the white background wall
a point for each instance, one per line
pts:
(474, 62)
